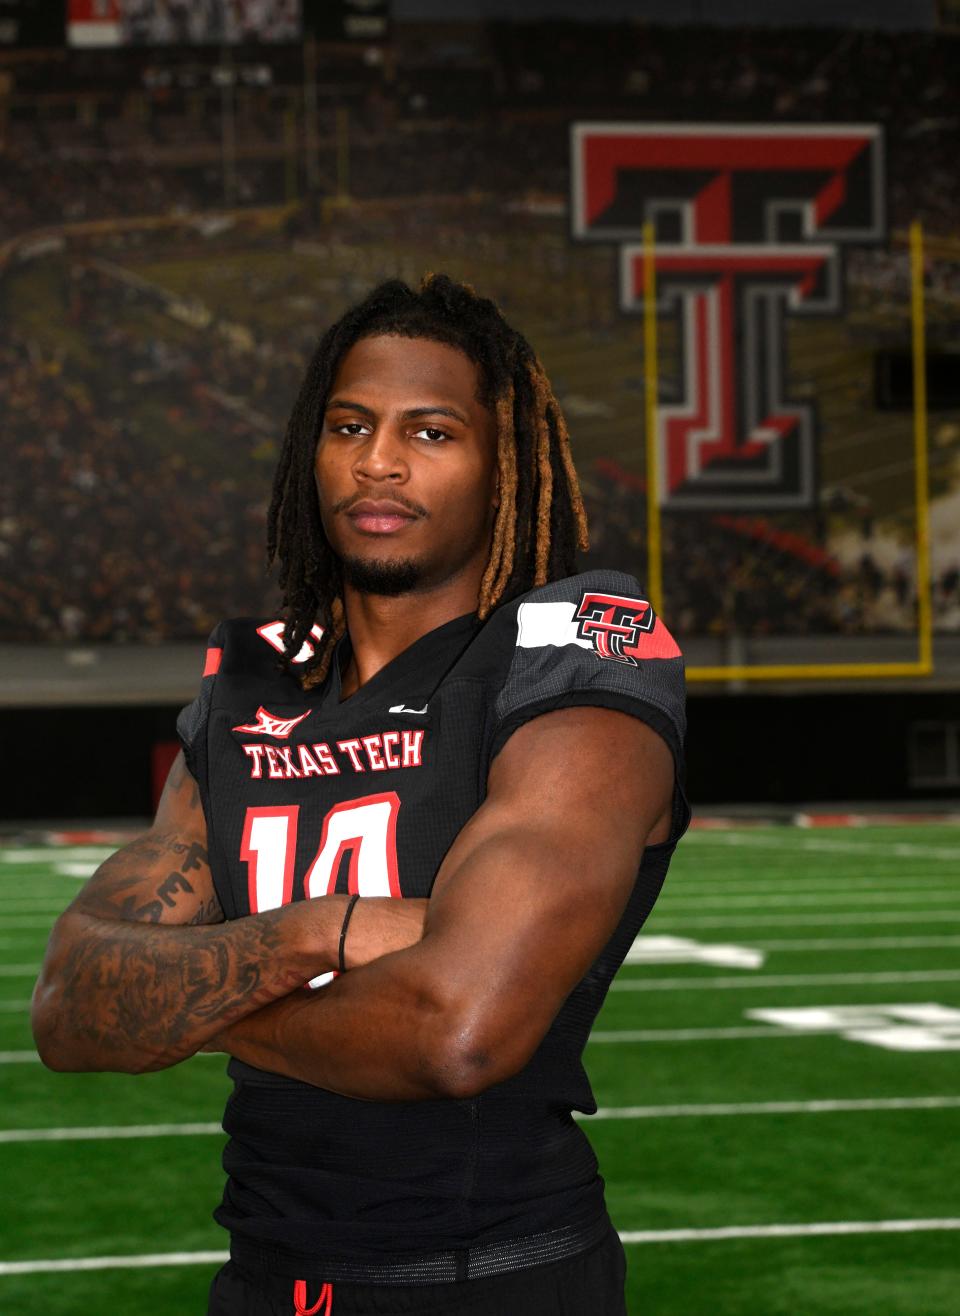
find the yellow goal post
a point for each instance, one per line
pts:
(923, 664)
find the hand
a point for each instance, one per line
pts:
(381, 924)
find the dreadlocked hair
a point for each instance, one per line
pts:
(540, 520)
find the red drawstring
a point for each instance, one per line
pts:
(300, 1299)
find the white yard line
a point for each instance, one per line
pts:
(31, 1057)
(109, 1132)
(777, 885)
(820, 1228)
(19, 921)
(14, 1007)
(794, 900)
(55, 853)
(841, 943)
(837, 918)
(779, 980)
(19, 970)
(622, 1035)
(755, 863)
(145, 1261)
(827, 1107)
(820, 845)
(859, 943)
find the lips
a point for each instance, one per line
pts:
(380, 516)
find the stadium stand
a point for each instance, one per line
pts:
(131, 398)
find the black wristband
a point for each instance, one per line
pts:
(343, 931)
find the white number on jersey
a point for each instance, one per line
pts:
(367, 828)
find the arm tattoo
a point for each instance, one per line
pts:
(117, 890)
(143, 969)
(208, 913)
(158, 993)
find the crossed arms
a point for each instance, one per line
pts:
(444, 998)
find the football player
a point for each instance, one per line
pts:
(415, 827)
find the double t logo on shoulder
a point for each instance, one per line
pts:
(749, 221)
(613, 625)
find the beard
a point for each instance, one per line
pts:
(386, 576)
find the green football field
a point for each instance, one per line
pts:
(777, 1074)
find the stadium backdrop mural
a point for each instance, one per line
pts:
(175, 234)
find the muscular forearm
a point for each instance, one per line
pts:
(371, 1034)
(130, 996)
(413, 1025)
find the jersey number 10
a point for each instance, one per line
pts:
(366, 828)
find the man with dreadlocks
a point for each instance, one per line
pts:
(481, 746)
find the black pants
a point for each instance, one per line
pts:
(588, 1284)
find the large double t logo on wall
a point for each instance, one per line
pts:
(749, 225)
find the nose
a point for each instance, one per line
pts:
(382, 457)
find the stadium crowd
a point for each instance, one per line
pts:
(113, 524)
(487, 115)
(132, 507)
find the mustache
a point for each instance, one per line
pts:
(344, 504)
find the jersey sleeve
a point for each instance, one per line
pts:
(593, 639)
(192, 720)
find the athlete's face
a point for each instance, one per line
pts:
(406, 466)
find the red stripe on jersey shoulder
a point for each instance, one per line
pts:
(658, 643)
(212, 664)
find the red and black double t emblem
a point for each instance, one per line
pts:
(751, 221)
(614, 625)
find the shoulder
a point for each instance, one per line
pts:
(239, 650)
(592, 638)
(603, 612)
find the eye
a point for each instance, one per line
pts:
(431, 435)
(351, 427)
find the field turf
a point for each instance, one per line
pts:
(754, 1168)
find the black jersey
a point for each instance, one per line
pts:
(305, 794)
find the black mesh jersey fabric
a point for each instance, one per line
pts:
(303, 794)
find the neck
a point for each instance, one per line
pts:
(381, 628)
